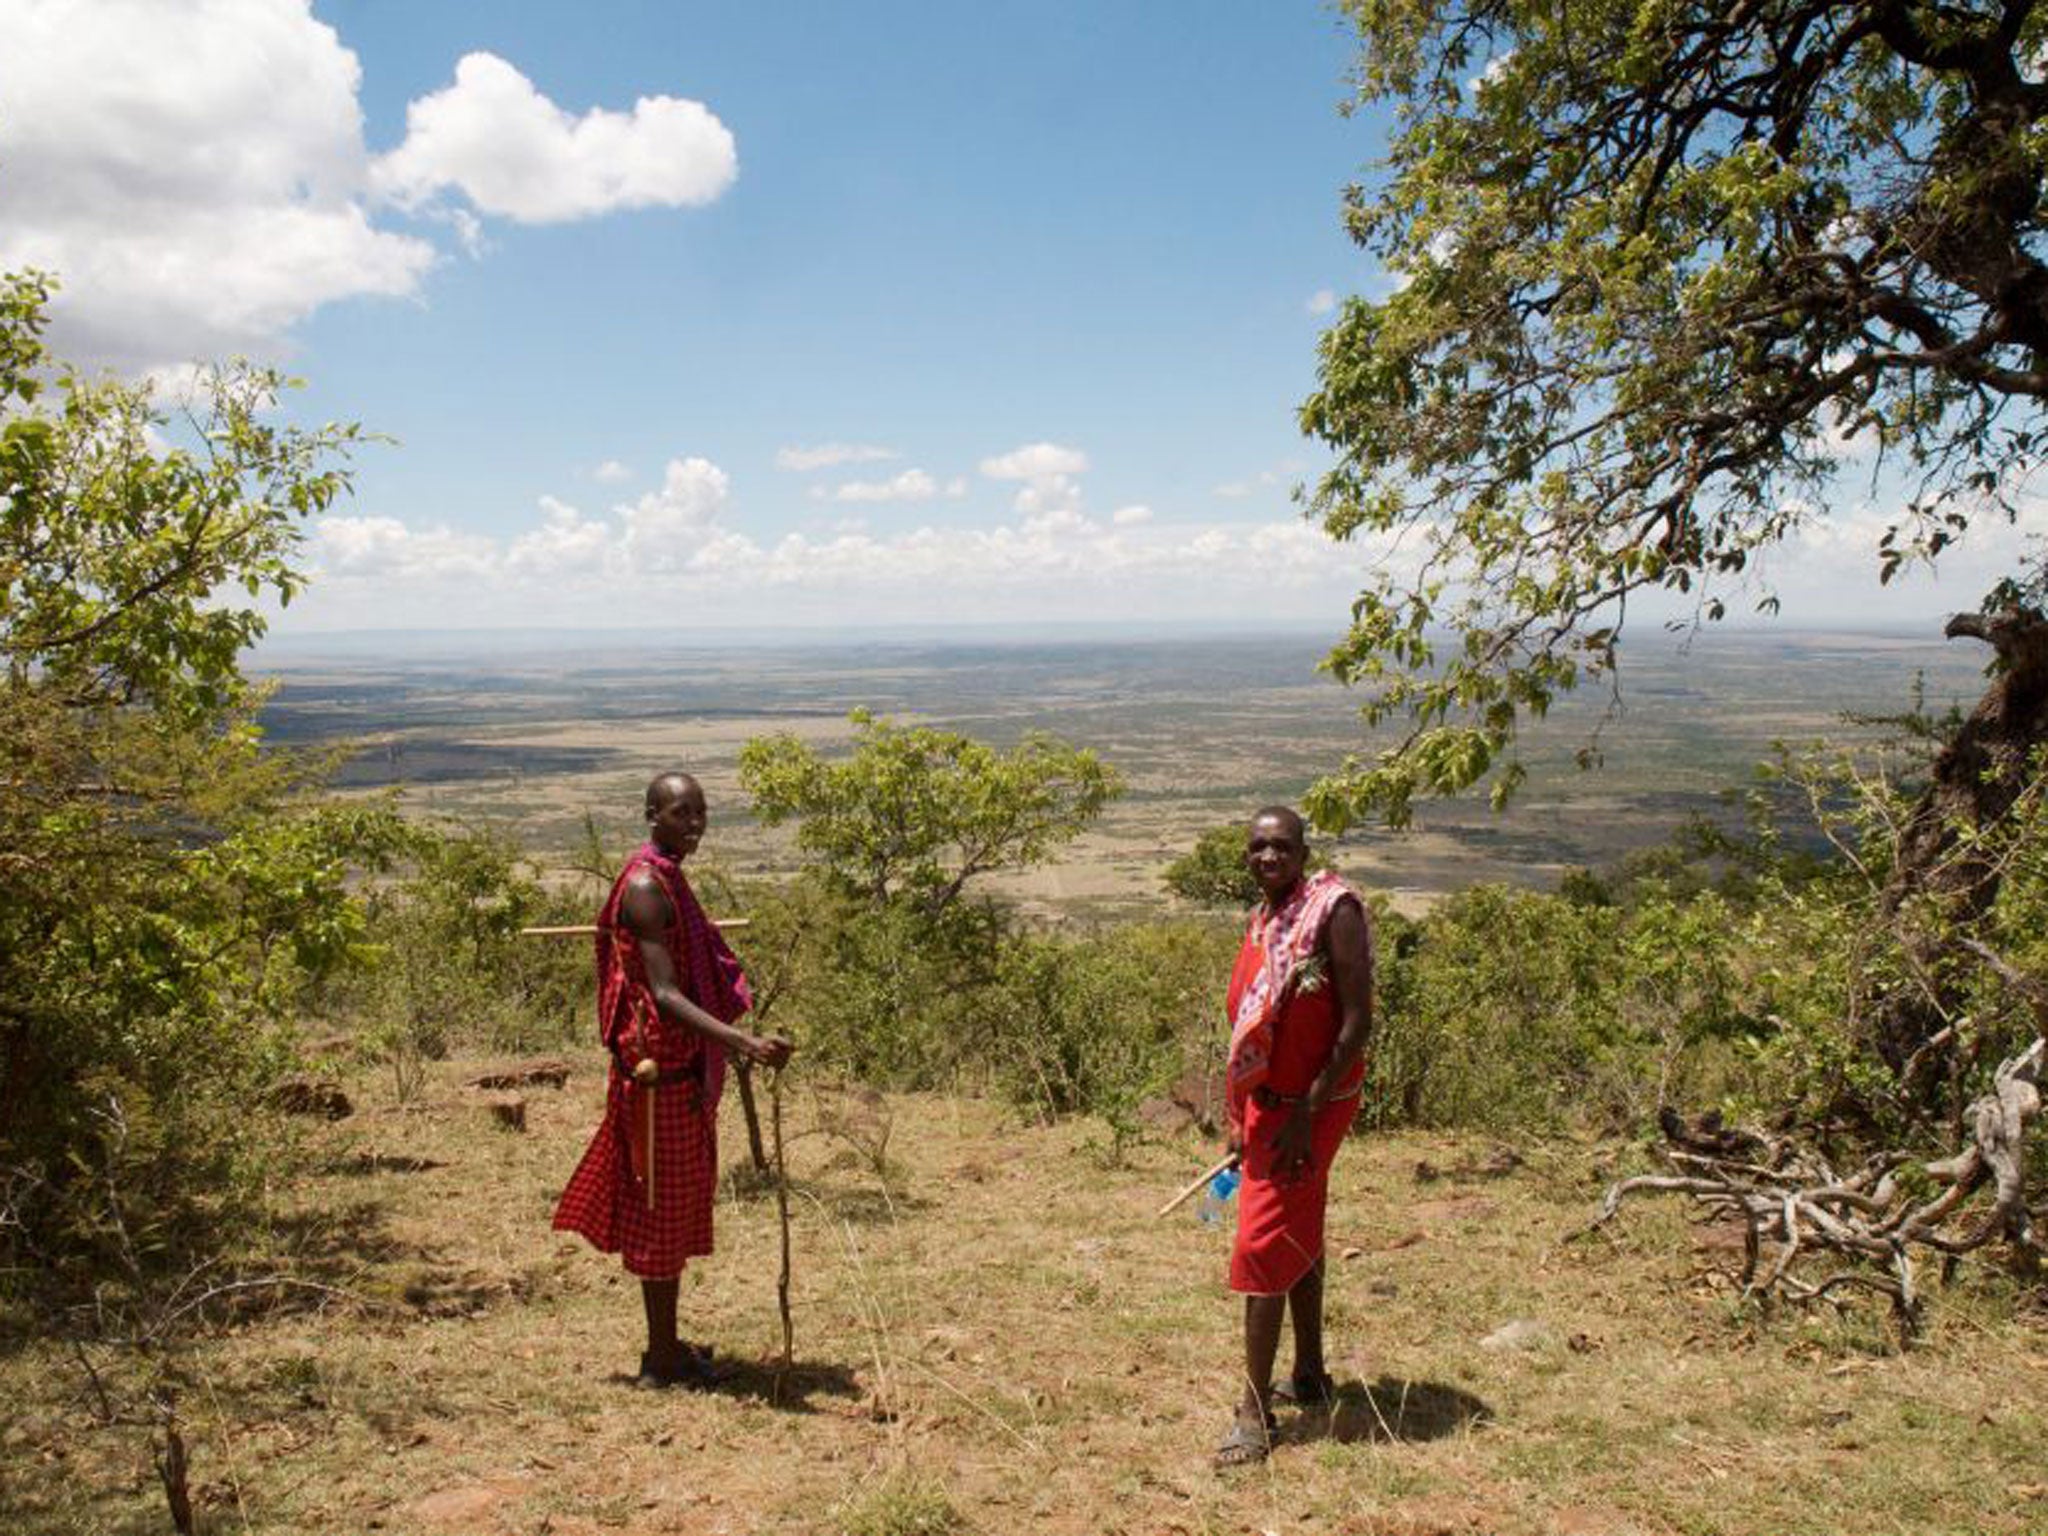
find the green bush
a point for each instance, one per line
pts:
(447, 966)
(1509, 1009)
(898, 997)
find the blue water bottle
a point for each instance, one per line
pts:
(1216, 1197)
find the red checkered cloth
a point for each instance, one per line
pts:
(654, 1217)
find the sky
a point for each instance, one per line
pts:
(800, 315)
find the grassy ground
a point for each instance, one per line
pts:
(994, 1334)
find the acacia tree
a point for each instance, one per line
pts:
(1663, 265)
(914, 812)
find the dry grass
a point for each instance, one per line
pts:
(994, 1335)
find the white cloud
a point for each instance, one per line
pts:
(825, 455)
(1496, 68)
(685, 544)
(1035, 461)
(911, 485)
(494, 138)
(1048, 471)
(565, 545)
(1322, 302)
(1048, 494)
(611, 472)
(192, 171)
(666, 529)
(383, 548)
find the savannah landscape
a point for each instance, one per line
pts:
(992, 1330)
(1691, 1190)
(534, 736)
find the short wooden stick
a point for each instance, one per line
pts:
(725, 923)
(1229, 1160)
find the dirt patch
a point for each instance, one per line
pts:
(1455, 1208)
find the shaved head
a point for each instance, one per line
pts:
(664, 789)
(1288, 817)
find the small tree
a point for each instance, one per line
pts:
(165, 886)
(914, 813)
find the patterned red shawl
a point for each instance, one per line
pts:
(1286, 938)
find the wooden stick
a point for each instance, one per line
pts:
(783, 1366)
(725, 923)
(1229, 1160)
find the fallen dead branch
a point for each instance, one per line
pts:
(1869, 1219)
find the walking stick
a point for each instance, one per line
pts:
(788, 1360)
(1229, 1160)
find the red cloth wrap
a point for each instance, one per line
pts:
(606, 1199)
(1280, 1220)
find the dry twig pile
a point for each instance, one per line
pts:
(1791, 1197)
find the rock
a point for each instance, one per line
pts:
(1523, 1333)
(1200, 1092)
(311, 1096)
(550, 1073)
(508, 1109)
(1497, 1164)
(457, 1507)
(1167, 1115)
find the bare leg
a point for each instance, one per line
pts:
(1305, 1304)
(658, 1300)
(1262, 1318)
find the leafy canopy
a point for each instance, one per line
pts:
(1659, 260)
(916, 812)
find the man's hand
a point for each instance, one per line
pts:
(1294, 1140)
(768, 1050)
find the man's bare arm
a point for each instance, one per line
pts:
(1350, 950)
(647, 915)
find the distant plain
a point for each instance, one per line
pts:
(532, 736)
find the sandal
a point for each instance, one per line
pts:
(689, 1370)
(1317, 1391)
(1247, 1444)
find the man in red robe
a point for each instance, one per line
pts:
(1300, 1005)
(669, 991)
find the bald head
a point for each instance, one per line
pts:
(1276, 852)
(676, 816)
(1287, 817)
(664, 789)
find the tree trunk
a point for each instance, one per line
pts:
(1941, 885)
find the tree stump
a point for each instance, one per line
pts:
(507, 1110)
(311, 1096)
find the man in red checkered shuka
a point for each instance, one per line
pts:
(669, 991)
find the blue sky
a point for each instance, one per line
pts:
(701, 315)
